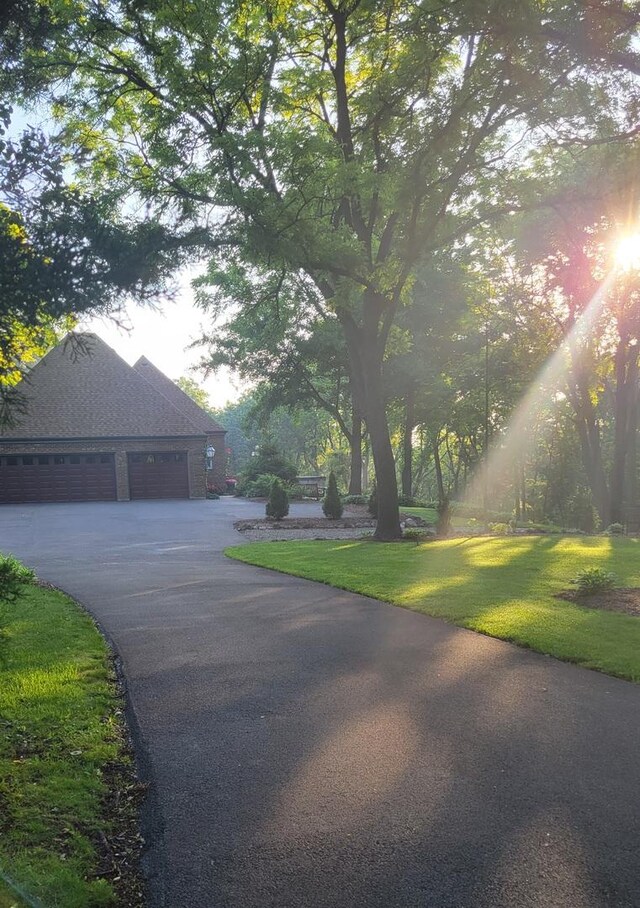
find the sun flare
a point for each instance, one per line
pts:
(628, 253)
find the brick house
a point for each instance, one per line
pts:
(97, 429)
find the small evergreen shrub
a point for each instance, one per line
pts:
(332, 505)
(372, 504)
(594, 580)
(278, 504)
(615, 529)
(14, 576)
(443, 523)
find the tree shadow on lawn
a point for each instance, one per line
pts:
(507, 588)
(351, 754)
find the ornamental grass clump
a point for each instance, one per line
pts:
(594, 580)
(278, 504)
(332, 504)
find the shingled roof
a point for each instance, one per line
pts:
(83, 389)
(177, 396)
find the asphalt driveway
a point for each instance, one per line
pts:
(308, 747)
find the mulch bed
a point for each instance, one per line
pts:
(305, 523)
(626, 600)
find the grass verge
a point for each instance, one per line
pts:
(68, 793)
(503, 587)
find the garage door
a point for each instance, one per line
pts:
(57, 477)
(158, 475)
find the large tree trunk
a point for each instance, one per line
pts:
(407, 444)
(366, 353)
(388, 524)
(438, 467)
(355, 476)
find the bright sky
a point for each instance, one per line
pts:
(164, 336)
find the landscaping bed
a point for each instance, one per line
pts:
(268, 530)
(69, 795)
(305, 523)
(626, 600)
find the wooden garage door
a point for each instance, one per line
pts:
(57, 477)
(158, 475)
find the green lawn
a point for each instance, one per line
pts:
(430, 515)
(501, 586)
(8, 898)
(59, 733)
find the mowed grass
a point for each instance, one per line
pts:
(500, 586)
(58, 732)
(8, 898)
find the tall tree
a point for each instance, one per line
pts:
(332, 140)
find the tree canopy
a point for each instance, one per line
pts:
(328, 148)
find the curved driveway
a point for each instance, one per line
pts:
(308, 747)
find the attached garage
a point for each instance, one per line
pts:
(57, 477)
(97, 429)
(158, 474)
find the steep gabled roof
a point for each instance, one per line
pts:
(177, 396)
(83, 389)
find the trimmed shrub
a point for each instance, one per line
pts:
(14, 576)
(332, 505)
(372, 504)
(594, 580)
(615, 529)
(443, 523)
(278, 504)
